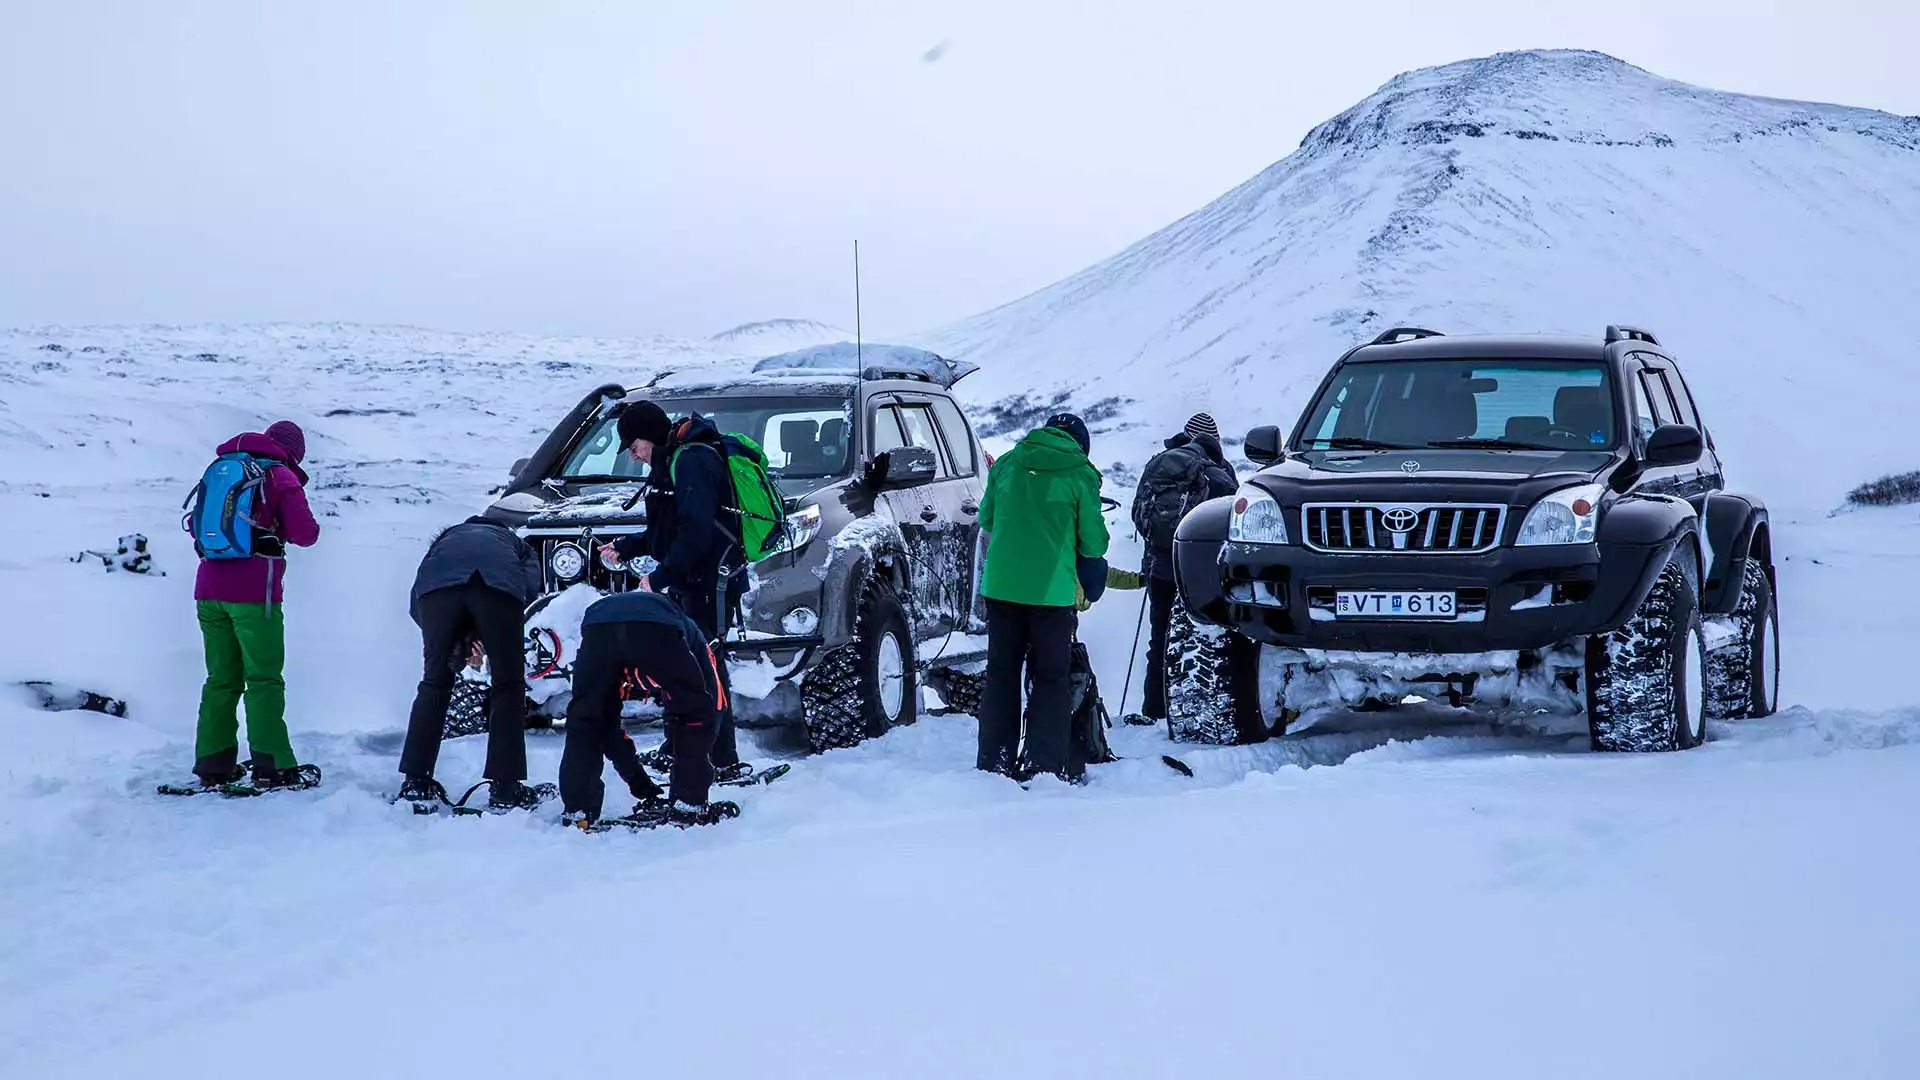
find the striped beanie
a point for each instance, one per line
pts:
(1202, 425)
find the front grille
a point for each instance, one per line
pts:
(543, 541)
(1409, 528)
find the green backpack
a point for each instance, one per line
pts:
(762, 510)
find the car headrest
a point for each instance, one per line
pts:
(1581, 409)
(1527, 428)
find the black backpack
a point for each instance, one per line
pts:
(1088, 736)
(1173, 482)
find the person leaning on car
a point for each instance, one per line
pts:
(688, 492)
(1042, 517)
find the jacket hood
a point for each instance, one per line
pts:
(257, 444)
(695, 428)
(1050, 450)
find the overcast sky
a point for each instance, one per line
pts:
(643, 166)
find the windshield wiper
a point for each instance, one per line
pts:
(1355, 442)
(1484, 444)
(600, 478)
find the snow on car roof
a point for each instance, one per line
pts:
(880, 361)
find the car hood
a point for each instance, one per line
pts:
(606, 503)
(1436, 475)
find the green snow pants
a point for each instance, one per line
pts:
(246, 651)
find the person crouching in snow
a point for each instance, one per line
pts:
(1042, 516)
(243, 624)
(635, 645)
(475, 582)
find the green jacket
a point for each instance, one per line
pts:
(1041, 513)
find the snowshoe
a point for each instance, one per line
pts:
(425, 793)
(749, 777)
(1135, 719)
(659, 813)
(736, 773)
(657, 760)
(685, 814)
(505, 795)
(297, 778)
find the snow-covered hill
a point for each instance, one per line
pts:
(772, 336)
(1770, 243)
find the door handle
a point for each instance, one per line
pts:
(969, 507)
(928, 513)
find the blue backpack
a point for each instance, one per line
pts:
(220, 508)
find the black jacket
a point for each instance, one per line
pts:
(689, 529)
(1220, 480)
(478, 546)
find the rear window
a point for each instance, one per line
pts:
(1417, 404)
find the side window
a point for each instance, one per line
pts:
(1645, 419)
(886, 430)
(918, 422)
(1682, 399)
(959, 439)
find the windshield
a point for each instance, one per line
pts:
(1500, 404)
(805, 439)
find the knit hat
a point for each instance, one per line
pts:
(644, 420)
(1073, 426)
(291, 439)
(1201, 424)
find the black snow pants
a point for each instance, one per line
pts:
(701, 605)
(1160, 600)
(1040, 639)
(621, 660)
(448, 619)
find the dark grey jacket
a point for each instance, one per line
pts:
(478, 546)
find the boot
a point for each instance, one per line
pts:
(422, 789)
(686, 814)
(1138, 720)
(658, 759)
(514, 795)
(725, 774)
(295, 778)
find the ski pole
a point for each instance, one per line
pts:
(1127, 686)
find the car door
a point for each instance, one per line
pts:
(1652, 409)
(943, 541)
(969, 487)
(915, 509)
(1710, 476)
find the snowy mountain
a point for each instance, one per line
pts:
(1769, 243)
(777, 335)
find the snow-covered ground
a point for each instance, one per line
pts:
(1412, 893)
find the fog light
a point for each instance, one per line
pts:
(800, 622)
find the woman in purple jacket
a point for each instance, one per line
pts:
(243, 625)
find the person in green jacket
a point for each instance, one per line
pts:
(1041, 515)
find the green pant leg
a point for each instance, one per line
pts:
(263, 647)
(216, 742)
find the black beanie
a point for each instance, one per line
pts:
(1075, 427)
(644, 420)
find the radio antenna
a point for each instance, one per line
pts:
(858, 357)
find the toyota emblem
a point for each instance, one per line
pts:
(1399, 519)
(1409, 466)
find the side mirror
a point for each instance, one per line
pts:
(1263, 445)
(514, 473)
(903, 466)
(1672, 444)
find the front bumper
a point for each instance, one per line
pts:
(1508, 598)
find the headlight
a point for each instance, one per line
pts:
(567, 561)
(1256, 518)
(1567, 516)
(802, 526)
(614, 563)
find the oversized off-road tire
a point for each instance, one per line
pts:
(867, 686)
(1199, 687)
(1743, 677)
(466, 709)
(961, 690)
(1646, 682)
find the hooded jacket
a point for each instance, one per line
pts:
(281, 513)
(690, 491)
(1041, 514)
(479, 547)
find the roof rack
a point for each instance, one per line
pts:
(1404, 333)
(1618, 332)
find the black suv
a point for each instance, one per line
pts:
(875, 585)
(1501, 519)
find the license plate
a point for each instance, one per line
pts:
(1393, 605)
